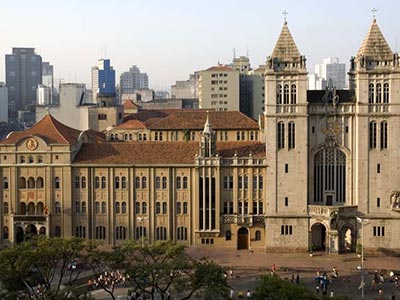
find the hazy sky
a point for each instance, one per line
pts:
(169, 39)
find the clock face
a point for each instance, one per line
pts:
(31, 144)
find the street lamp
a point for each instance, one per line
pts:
(140, 220)
(362, 221)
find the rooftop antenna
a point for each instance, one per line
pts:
(234, 53)
(247, 52)
(285, 13)
(396, 44)
(374, 11)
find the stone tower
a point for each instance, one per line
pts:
(286, 132)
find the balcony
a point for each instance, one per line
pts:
(326, 212)
(247, 220)
(30, 218)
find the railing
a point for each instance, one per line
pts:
(378, 108)
(286, 108)
(242, 220)
(29, 218)
(322, 211)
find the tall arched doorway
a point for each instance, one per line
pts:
(347, 239)
(20, 235)
(318, 236)
(243, 239)
(31, 231)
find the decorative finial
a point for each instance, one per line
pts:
(285, 13)
(47, 109)
(374, 11)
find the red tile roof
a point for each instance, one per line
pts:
(131, 124)
(149, 116)
(48, 128)
(160, 152)
(130, 104)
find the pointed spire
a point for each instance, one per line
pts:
(285, 48)
(374, 45)
(207, 126)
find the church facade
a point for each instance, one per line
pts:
(323, 160)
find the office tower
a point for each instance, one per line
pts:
(103, 79)
(332, 69)
(43, 95)
(133, 80)
(48, 80)
(3, 103)
(23, 75)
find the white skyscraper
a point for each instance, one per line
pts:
(332, 69)
(43, 95)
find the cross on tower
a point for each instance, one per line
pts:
(374, 11)
(285, 13)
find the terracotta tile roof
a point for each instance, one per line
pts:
(130, 104)
(285, 48)
(195, 119)
(220, 68)
(48, 128)
(149, 116)
(375, 45)
(160, 152)
(131, 124)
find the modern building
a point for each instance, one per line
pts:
(331, 69)
(257, 92)
(219, 88)
(43, 95)
(161, 95)
(3, 103)
(133, 80)
(145, 95)
(329, 157)
(103, 79)
(186, 89)
(315, 82)
(23, 75)
(48, 81)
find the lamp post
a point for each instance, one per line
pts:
(140, 220)
(361, 221)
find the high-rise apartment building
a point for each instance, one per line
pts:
(103, 79)
(3, 103)
(23, 75)
(219, 88)
(332, 69)
(133, 80)
(186, 89)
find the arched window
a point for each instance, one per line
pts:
(185, 208)
(125, 137)
(258, 235)
(39, 183)
(140, 232)
(144, 137)
(130, 137)
(121, 233)
(57, 182)
(22, 183)
(164, 182)
(5, 207)
(39, 159)
(181, 233)
(281, 135)
(178, 182)
(178, 207)
(80, 231)
(228, 235)
(293, 94)
(77, 207)
(31, 183)
(279, 94)
(137, 182)
(164, 208)
(139, 136)
(5, 233)
(117, 207)
(372, 135)
(5, 183)
(161, 233)
(39, 208)
(144, 208)
(97, 182)
(116, 182)
(22, 159)
(286, 94)
(384, 135)
(31, 160)
(386, 93)
(158, 207)
(103, 207)
(83, 206)
(57, 208)
(123, 207)
(57, 231)
(137, 208)
(291, 135)
(22, 208)
(103, 182)
(97, 207)
(77, 182)
(378, 93)
(185, 182)
(238, 135)
(144, 182)
(123, 182)
(83, 182)
(158, 182)
(100, 232)
(371, 93)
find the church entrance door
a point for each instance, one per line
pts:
(243, 239)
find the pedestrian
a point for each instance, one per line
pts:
(393, 296)
(292, 280)
(230, 273)
(317, 288)
(273, 268)
(331, 294)
(297, 278)
(380, 293)
(248, 294)
(232, 293)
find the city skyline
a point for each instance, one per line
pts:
(172, 40)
